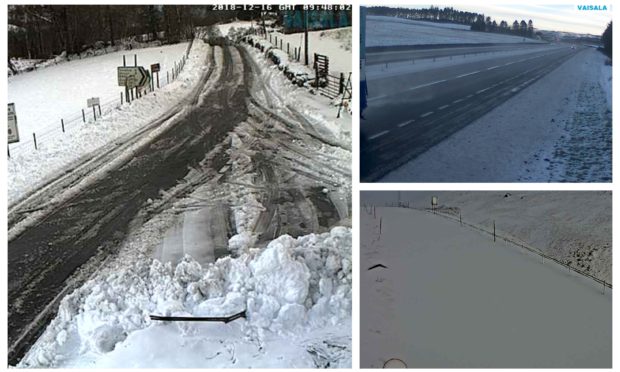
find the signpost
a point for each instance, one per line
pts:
(155, 68)
(434, 203)
(13, 135)
(92, 102)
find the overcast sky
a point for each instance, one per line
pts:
(557, 17)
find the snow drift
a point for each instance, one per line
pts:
(293, 287)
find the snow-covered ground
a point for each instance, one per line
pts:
(569, 226)
(451, 297)
(335, 44)
(296, 291)
(45, 96)
(557, 129)
(385, 31)
(29, 168)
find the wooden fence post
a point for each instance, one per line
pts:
(62, 123)
(83, 116)
(493, 230)
(34, 136)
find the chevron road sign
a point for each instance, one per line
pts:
(132, 77)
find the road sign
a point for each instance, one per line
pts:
(434, 201)
(155, 67)
(13, 134)
(92, 101)
(132, 77)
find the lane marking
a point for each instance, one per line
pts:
(492, 68)
(427, 85)
(410, 89)
(427, 114)
(458, 100)
(405, 123)
(469, 96)
(471, 73)
(483, 90)
(444, 107)
(378, 135)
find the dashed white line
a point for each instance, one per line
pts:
(471, 73)
(458, 100)
(444, 107)
(405, 123)
(492, 68)
(427, 85)
(427, 114)
(373, 137)
(483, 90)
(469, 96)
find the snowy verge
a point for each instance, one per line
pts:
(293, 291)
(29, 170)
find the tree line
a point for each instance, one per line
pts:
(41, 31)
(476, 21)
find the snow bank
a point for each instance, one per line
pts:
(29, 168)
(293, 287)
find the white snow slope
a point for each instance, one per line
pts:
(450, 297)
(44, 96)
(29, 168)
(569, 226)
(384, 31)
(555, 130)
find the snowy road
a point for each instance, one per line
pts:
(451, 297)
(51, 246)
(410, 113)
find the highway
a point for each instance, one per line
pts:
(411, 112)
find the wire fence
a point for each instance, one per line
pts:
(450, 213)
(48, 133)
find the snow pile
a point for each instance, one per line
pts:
(29, 168)
(293, 287)
(385, 31)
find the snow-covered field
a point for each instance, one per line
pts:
(451, 297)
(384, 31)
(569, 226)
(557, 129)
(45, 96)
(29, 168)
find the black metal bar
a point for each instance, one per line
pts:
(225, 319)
